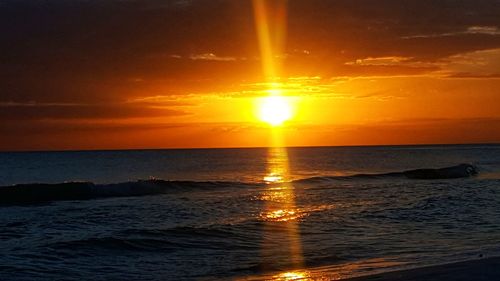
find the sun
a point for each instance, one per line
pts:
(274, 110)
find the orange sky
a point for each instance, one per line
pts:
(160, 74)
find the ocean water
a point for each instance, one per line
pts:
(243, 214)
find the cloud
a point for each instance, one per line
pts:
(14, 111)
(37, 104)
(210, 57)
(380, 61)
(161, 101)
(28, 127)
(475, 64)
(206, 57)
(484, 63)
(393, 61)
(489, 30)
(482, 30)
(305, 87)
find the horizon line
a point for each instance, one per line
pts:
(246, 147)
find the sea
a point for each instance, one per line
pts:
(303, 213)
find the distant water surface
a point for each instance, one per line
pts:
(244, 165)
(250, 213)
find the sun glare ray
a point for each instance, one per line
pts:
(275, 109)
(270, 23)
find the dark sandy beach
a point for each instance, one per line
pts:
(477, 270)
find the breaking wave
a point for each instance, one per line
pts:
(40, 193)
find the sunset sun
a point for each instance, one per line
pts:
(275, 110)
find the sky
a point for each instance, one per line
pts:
(125, 74)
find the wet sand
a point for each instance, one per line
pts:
(477, 270)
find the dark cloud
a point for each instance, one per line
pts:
(88, 50)
(33, 111)
(26, 128)
(359, 29)
(83, 50)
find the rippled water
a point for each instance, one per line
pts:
(255, 225)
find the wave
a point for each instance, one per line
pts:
(164, 240)
(116, 243)
(453, 172)
(41, 193)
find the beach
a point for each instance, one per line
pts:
(479, 270)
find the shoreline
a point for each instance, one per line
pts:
(478, 270)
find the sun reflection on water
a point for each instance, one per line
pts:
(273, 178)
(340, 271)
(274, 196)
(292, 276)
(280, 212)
(281, 215)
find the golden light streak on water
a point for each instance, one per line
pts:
(280, 211)
(292, 276)
(332, 272)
